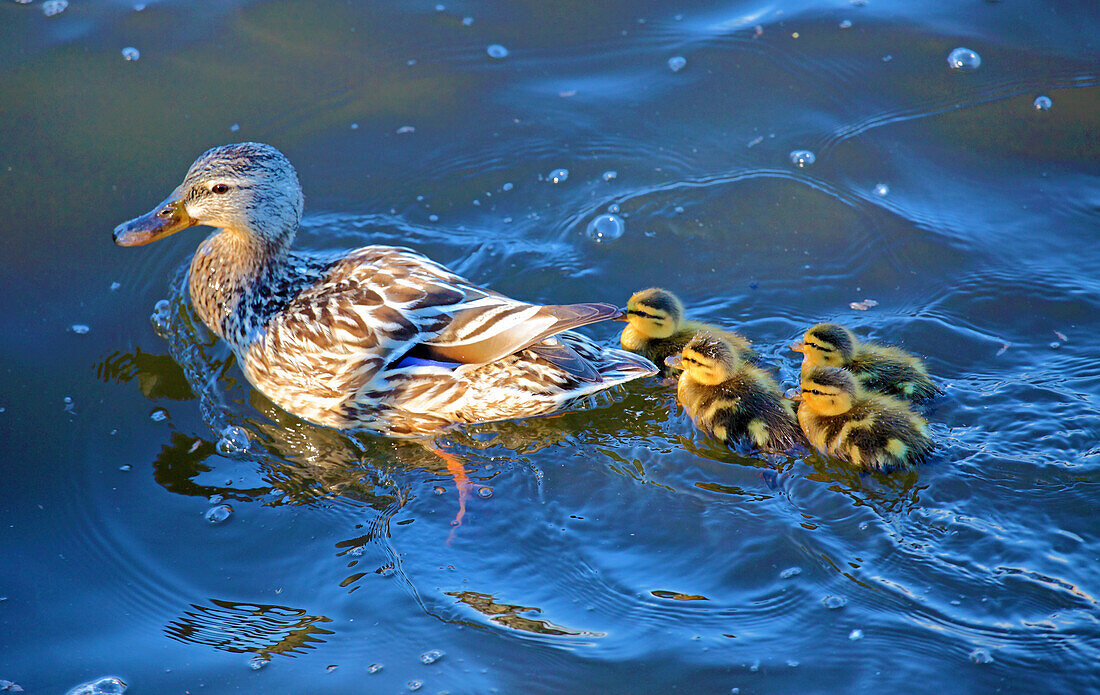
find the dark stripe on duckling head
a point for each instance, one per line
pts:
(833, 335)
(835, 377)
(655, 299)
(712, 347)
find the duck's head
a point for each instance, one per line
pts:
(707, 359)
(828, 390)
(827, 345)
(655, 313)
(248, 188)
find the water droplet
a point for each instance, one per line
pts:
(139, 7)
(613, 208)
(439, 8)
(331, 667)
(467, 21)
(497, 51)
(107, 685)
(414, 685)
(507, 186)
(802, 158)
(609, 175)
(1043, 103)
(855, 635)
(125, 468)
(881, 189)
(115, 286)
(605, 228)
(790, 572)
(374, 668)
(846, 24)
(161, 317)
(433, 218)
(485, 491)
(963, 60)
(432, 656)
(677, 63)
(51, 8)
(158, 415)
(355, 126)
(258, 661)
(79, 328)
(439, 489)
(981, 656)
(218, 514)
(406, 129)
(558, 175)
(235, 127)
(834, 602)
(131, 53)
(233, 441)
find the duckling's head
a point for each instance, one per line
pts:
(829, 390)
(707, 359)
(248, 188)
(655, 313)
(827, 345)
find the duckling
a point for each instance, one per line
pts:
(731, 399)
(871, 430)
(878, 368)
(657, 328)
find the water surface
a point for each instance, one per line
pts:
(612, 549)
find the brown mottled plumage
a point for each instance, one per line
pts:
(878, 368)
(381, 337)
(658, 328)
(870, 430)
(730, 399)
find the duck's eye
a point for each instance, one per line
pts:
(220, 188)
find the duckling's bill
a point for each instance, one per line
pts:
(675, 361)
(798, 347)
(165, 219)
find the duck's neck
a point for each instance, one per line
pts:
(228, 269)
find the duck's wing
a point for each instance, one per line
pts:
(444, 317)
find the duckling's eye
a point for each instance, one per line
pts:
(220, 188)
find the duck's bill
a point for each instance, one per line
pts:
(797, 396)
(167, 218)
(674, 361)
(799, 347)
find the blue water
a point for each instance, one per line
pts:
(612, 549)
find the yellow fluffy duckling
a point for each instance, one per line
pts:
(658, 328)
(878, 368)
(731, 399)
(867, 429)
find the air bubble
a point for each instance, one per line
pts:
(834, 602)
(855, 635)
(981, 656)
(496, 51)
(881, 190)
(677, 63)
(432, 656)
(374, 668)
(613, 208)
(413, 686)
(605, 228)
(964, 60)
(557, 175)
(79, 328)
(790, 572)
(218, 514)
(51, 8)
(258, 661)
(507, 186)
(802, 158)
(233, 441)
(131, 53)
(1043, 103)
(158, 415)
(107, 685)
(845, 24)
(609, 175)
(485, 492)
(161, 316)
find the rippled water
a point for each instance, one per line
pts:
(166, 525)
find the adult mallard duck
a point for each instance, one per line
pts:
(878, 368)
(731, 399)
(658, 328)
(870, 430)
(379, 338)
